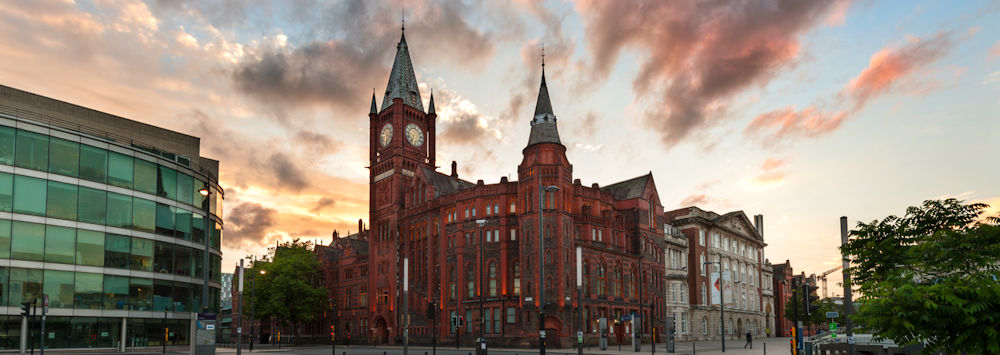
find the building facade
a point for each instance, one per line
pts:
(767, 293)
(783, 278)
(103, 215)
(728, 243)
(473, 246)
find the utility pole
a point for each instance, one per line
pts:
(239, 310)
(579, 299)
(848, 297)
(406, 308)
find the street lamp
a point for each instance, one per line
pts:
(722, 305)
(166, 334)
(482, 317)
(253, 306)
(205, 191)
(542, 189)
(579, 299)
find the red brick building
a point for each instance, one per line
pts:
(430, 218)
(345, 268)
(783, 276)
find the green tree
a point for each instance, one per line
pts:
(290, 289)
(930, 277)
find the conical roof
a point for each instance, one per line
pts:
(543, 124)
(402, 82)
(373, 109)
(430, 106)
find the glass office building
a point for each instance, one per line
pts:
(96, 214)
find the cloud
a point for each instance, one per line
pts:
(707, 184)
(459, 120)
(694, 200)
(771, 128)
(769, 174)
(889, 66)
(317, 144)
(995, 51)
(700, 54)
(334, 73)
(248, 223)
(323, 204)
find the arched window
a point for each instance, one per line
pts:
(470, 281)
(451, 283)
(601, 290)
(517, 278)
(493, 279)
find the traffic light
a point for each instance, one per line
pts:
(332, 332)
(461, 321)
(431, 310)
(454, 322)
(811, 299)
(26, 309)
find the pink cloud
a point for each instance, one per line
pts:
(995, 51)
(787, 123)
(695, 199)
(889, 66)
(700, 54)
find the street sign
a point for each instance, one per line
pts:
(542, 333)
(579, 337)
(850, 339)
(832, 315)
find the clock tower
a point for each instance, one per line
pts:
(402, 139)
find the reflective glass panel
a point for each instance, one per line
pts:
(119, 210)
(120, 168)
(163, 258)
(64, 157)
(60, 244)
(6, 192)
(165, 219)
(143, 215)
(89, 247)
(30, 196)
(162, 295)
(183, 265)
(182, 297)
(4, 242)
(145, 176)
(142, 254)
(89, 289)
(61, 201)
(183, 224)
(216, 236)
(3, 292)
(27, 241)
(59, 287)
(32, 151)
(115, 292)
(140, 293)
(6, 145)
(117, 251)
(93, 163)
(185, 187)
(25, 286)
(93, 206)
(167, 184)
(197, 228)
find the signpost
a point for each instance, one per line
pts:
(832, 314)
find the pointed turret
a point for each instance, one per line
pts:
(430, 106)
(543, 124)
(374, 110)
(402, 81)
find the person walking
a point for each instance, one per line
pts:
(749, 341)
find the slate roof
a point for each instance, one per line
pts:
(543, 124)
(628, 189)
(402, 81)
(444, 184)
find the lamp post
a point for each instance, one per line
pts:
(406, 308)
(579, 299)
(165, 333)
(542, 189)
(722, 305)
(205, 191)
(239, 310)
(253, 306)
(482, 317)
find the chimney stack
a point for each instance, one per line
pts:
(454, 169)
(361, 225)
(758, 221)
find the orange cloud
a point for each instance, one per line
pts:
(694, 200)
(769, 174)
(787, 123)
(889, 66)
(995, 51)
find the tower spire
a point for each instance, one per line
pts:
(430, 106)
(373, 109)
(402, 81)
(543, 124)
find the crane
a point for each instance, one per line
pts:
(823, 277)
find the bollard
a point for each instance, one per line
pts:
(693, 350)
(765, 348)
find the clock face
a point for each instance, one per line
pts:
(414, 135)
(386, 135)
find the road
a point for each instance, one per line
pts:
(773, 346)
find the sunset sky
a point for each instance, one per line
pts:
(803, 111)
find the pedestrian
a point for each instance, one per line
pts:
(749, 341)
